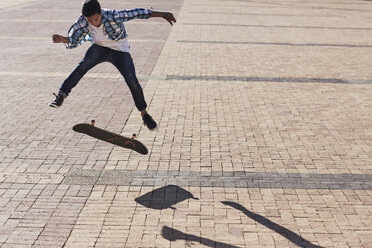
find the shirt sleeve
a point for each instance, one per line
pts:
(78, 33)
(129, 14)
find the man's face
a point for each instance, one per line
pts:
(95, 19)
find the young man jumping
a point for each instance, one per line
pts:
(105, 28)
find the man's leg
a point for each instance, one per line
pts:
(124, 63)
(94, 55)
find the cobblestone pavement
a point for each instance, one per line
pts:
(264, 139)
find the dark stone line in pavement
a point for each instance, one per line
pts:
(271, 26)
(268, 79)
(239, 179)
(257, 14)
(275, 44)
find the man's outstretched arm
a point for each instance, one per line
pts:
(166, 15)
(139, 13)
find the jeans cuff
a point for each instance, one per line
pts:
(62, 93)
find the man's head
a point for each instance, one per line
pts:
(91, 9)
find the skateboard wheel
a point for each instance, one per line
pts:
(134, 136)
(92, 122)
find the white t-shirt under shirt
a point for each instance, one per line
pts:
(101, 39)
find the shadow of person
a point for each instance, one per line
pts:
(173, 235)
(288, 234)
(164, 197)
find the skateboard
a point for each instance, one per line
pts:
(110, 137)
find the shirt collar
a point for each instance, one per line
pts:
(104, 15)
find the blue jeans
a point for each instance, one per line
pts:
(121, 60)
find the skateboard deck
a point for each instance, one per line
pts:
(110, 137)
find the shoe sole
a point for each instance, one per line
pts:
(53, 105)
(154, 129)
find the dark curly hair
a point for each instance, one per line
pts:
(90, 7)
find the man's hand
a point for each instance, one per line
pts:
(59, 39)
(166, 15)
(170, 18)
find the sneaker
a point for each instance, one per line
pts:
(149, 122)
(57, 102)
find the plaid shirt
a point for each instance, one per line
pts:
(112, 21)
